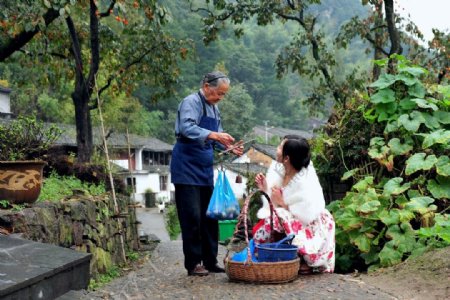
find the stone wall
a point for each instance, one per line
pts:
(83, 223)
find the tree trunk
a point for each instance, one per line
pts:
(80, 100)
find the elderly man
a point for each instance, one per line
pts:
(199, 130)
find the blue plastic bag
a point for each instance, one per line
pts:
(223, 204)
(242, 256)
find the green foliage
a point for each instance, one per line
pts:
(399, 211)
(4, 203)
(26, 139)
(103, 279)
(172, 222)
(132, 256)
(57, 187)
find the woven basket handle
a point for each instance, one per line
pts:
(243, 219)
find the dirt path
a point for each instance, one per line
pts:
(427, 277)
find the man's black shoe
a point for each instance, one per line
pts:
(199, 270)
(216, 269)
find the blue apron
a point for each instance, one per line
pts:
(192, 162)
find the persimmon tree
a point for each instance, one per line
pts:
(119, 44)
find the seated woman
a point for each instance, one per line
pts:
(294, 189)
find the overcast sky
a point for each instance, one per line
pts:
(426, 14)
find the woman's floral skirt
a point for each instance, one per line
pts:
(315, 241)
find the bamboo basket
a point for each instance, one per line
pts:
(264, 272)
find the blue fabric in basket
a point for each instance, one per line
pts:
(242, 256)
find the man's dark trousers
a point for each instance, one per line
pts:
(200, 234)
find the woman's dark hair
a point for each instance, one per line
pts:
(297, 148)
(214, 78)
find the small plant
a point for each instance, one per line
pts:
(172, 222)
(132, 256)
(4, 203)
(26, 139)
(105, 278)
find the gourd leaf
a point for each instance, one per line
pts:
(419, 204)
(439, 188)
(383, 96)
(440, 136)
(407, 104)
(418, 162)
(369, 207)
(442, 116)
(361, 241)
(391, 127)
(397, 148)
(363, 184)
(378, 153)
(443, 166)
(390, 217)
(412, 121)
(407, 79)
(405, 215)
(384, 81)
(394, 187)
(415, 71)
(425, 104)
(349, 174)
(431, 121)
(390, 256)
(349, 220)
(417, 90)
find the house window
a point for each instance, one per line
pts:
(131, 185)
(163, 182)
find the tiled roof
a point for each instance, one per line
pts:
(243, 168)
(280, 132)
(266, 149)
(115, 140)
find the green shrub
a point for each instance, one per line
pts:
(401, 210)
(57, 187)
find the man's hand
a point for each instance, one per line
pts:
(238, 148)
(222, 137)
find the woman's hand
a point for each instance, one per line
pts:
(261, 182)
(277, 197)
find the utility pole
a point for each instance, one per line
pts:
(266, 129)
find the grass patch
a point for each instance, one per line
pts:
(172, 222)
(57, 187)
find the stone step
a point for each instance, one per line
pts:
(31, 270)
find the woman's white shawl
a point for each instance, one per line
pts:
(303, 194)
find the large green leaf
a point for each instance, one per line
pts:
(360, 240)
(439, 187)
(391, 127)
(402, 236)
(383, 96)
(363, 184)
(369, 207)
(425, 104)
(418, 162)
(407, 79)
(349, 220)
(431, 121)
(390, 217)
(405, 215)
(384, 81)
(440, 136)
(378, 153)
(442, 116)
(394, 187)
(397, 148)
(407, 104)
(415, 71)
(349, 174)
(390, 256)
(443, 165)
(419, 204)
(412, 121)
(417, 90)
